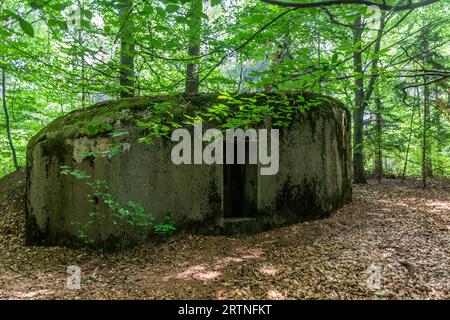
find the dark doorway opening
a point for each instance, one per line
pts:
(240, 185)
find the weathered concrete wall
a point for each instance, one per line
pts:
(58, 204)
(315, 170)
(314, 177)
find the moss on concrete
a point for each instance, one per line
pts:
(76, 123)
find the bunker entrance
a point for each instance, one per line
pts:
(240, 184)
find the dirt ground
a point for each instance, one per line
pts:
(392, 242)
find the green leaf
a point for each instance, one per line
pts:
(181, 19)
(88, 14)
(335, 57)
(172, 7)
(147, 9)
(116, 134)
(256, 18)
(36, 4)
(161, 12)
(26, 27)
(59, 6)
(52, 22)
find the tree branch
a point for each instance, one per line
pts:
(382, 6)
(335, 21)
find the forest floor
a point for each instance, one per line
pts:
(392, 242)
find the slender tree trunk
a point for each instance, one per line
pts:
(281, 53)
(241, 66)
(426, 146)
(358, 113)
(319, 53)
(362, 96)
(7, 121)
(82, 62)
(127, 51)
(416, 98)
(409, 145)
(83, 76)
(379, 139)
(426, 165)
(192, 69)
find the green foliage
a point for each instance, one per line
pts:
(230, 111)
(26, 27)
(132, 214)
(159, 123)
(66, 170)
(247, 46)
(166, 228)
(96, 127)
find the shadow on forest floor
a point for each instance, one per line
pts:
(400, 230)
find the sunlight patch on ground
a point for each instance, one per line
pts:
(30, 294)
(439, 206)
(207, 275)
(199, 272)
(275, 295)
(227, 261)
(268, 270)
(252, 254)
(207, 272)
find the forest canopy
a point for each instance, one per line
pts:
(387, 61)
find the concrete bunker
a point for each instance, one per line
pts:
(113, 142)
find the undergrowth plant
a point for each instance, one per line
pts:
(132, 213)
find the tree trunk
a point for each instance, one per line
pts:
(426, 159)
(192, 69)
(362, 96)
(319, 53)
(7, 121)
(379, 137)
(83, 74)
(127, 51)
(358, 113)
(426, 146)
(416, 98)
